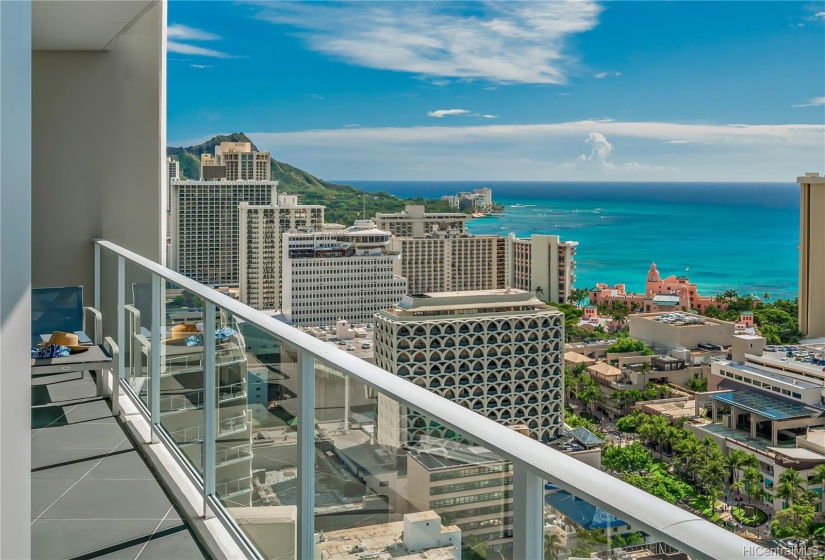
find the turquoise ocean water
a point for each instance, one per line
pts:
(721, 235)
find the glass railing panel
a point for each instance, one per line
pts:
(256, 447)
(385, 473)
(182, 367)
(137, 316)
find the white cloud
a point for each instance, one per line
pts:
(441, 113)
(602, 75)
(177, 36)
(447, 112)
(812, 102)
(185, 33)
(200, 66)
(819, 16)
(600, 148)
(184, 48)
(640, 151)
(503, 42)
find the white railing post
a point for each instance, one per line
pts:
(121, 311)
(154, 383)
(306, 454)
(209, 408)
(97, 276)
(528, 514)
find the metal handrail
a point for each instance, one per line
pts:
(689, 533)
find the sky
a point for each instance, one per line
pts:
(507, 90)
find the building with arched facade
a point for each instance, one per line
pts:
(497, 352)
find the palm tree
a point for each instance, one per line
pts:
(753, 480)
(713, 475)
(738, 459)
(539, 292)
(787, 493)
(818, 476)
(688, 452)
(730, 295)
(552, 546)
(766, 296)
(644, 367)
(811, 533)
(794, 483)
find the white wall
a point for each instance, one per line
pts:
(15, 279)
(98, 161)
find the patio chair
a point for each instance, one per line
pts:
(61, 309)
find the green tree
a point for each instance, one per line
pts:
(753, 483)
(738, 460)
(631, 422)
(628, 459)
(791, 486)
(539, 292)
(818, 477)
(628, 345)
(811, 533)
(474, 549)
(786, 523)
(698, 385)
(552, 546)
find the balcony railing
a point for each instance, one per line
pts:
(304, 365)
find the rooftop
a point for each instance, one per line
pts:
(764, 405)
(802, 384)
(385, 541)
(442, 457)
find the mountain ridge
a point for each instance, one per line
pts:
(344, 203)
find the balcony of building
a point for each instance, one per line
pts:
(218, 477)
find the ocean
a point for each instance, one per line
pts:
(740, 236)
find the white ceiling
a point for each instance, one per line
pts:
(83, 25)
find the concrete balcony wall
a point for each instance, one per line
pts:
(15, 278)
(98, 140)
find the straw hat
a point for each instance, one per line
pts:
(179, 333)
(67, 339)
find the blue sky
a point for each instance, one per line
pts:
(520, 90)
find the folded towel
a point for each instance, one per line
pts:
(51, 351)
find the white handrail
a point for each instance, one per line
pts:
(689, 533)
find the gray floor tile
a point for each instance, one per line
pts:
(65, 538)
(180, 546)
(126, 466)
(46, 492)
(44, 458)
(96, 410)
(86, 435)
(111, 499)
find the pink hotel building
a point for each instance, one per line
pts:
(674, 293)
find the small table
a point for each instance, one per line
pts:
(96, 358)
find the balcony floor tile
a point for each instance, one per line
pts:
(92, 493)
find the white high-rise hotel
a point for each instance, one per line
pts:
(497, 352)
(344, 274)
(205, 237)
(261, 229)
(438, 255)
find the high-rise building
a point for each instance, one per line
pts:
(235, 161)
(447, 261)
(348, 274)
(544, 264)
(261, 228)
(414, 221)
(497, 352)
(173, 166)
(205, 229)
(812, 255)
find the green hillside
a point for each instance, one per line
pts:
(344, 203)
